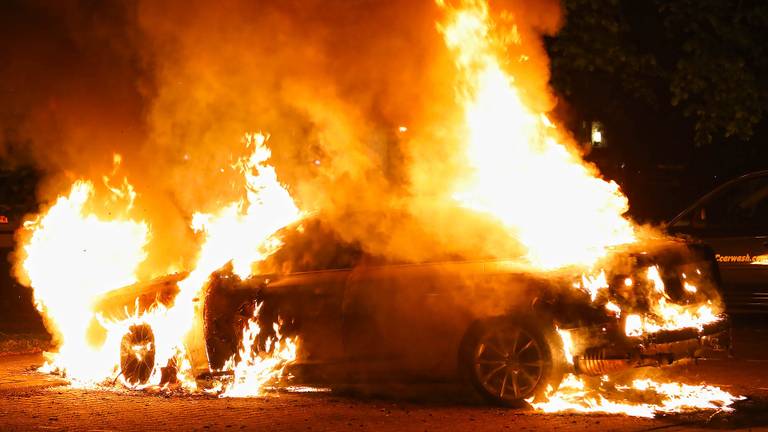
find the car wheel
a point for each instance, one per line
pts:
(510, 359)
(137, 354)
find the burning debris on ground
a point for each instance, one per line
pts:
(473, 244)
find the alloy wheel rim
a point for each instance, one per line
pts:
(509, 363)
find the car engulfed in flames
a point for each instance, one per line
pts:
(509, 332)
(493, 255)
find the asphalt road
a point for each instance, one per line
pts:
(30, 401)
(33, 401)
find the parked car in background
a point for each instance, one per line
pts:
(733, 220)
(17, 198)
(6, 227)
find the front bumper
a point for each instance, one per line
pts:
(657, 349)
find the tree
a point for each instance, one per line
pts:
(705, 59)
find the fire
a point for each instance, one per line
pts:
(520, 169)
(255, 369)
(240, 233)
(565, 335)
(665, 315)
(522, 172)
(575, 396)
(267, 207)
(72, 256)
(593, 284)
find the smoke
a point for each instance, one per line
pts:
(357, 96)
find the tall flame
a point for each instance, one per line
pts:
(71, 257)
(240, 232)
(523, 173)
(520, 170)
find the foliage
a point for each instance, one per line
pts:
(705, 58)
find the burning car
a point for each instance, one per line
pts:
(520, 266)
(508, 331)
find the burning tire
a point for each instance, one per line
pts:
(137, 354)
(508, 360)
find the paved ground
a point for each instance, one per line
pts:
(32, 401)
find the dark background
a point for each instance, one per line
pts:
(17, 197)
(680, 86)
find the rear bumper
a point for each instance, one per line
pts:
(658, 349)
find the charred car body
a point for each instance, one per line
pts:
(492, 324)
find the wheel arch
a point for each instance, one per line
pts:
(545, 332)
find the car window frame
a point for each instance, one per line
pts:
(689, 213)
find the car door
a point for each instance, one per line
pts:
(405, 319)
(309, 306)
(307, 291)
(733, 220)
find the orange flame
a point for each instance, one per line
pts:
(520, 170)
(72, 256)
(575, 396)
(523, 173)
(665, 315)
(255, 369)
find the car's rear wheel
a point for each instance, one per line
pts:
(137, 354)
(508, 360)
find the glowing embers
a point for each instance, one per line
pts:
(641, 397)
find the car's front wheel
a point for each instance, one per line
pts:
(508, 360)
(137, 354)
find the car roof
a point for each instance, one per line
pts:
(707, 196)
